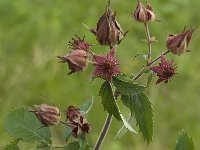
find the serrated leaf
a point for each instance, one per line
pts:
(108, 100)
(67, 133)
(123, 130)
(141, 107)
(86, 106)
(127, 125)
(184, 142)
(12, 146)
(22, 124)
(127, 86)
(72, 146)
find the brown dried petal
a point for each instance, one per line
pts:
(178, 44)
(108, 31)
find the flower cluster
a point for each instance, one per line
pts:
(108, 32)
(50, 115)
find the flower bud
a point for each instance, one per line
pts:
(79, 43)
(108, 31)
(76, 59)
(178, 44)
(144, 14)
(47, 115)
(76, 121)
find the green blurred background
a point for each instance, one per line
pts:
(34, 32)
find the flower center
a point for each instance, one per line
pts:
(168, 72)
(107, 65)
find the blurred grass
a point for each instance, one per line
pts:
(34, 32)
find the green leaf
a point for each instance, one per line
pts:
(123, 130)
(141, 107)
(82, 143)
(126, 86)
(86, 106)
(42, 147)
(12, 146)
(67, 133)
(184, 142)
(127, 125)
(22, 124)
(72, 146)
(108, 100)
(149, 79)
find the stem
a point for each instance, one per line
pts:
(103, 132)
(106, 126)
(58, 147)
(157, 58)
(148, 65)
(149, 42)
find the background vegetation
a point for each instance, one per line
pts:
(34, 32)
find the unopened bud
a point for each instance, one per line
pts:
(178, 44)
(47, 115)
(76, 59)
(144, 14)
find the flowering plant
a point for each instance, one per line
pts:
(33, 124)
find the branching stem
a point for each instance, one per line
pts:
(149, 42)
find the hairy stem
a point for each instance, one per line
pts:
(149, 42)
(148, 65)
(103, 132)
(157, 58)
(106, 126)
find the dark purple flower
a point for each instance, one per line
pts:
(72, 112)
(47, 115)
(105, 66)
(76, 59)
(76, 121)
(165, 70)
(79, 43)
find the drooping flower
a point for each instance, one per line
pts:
(178, 44)
(108, 31)
(76, 121)
(47, 115)
(165, 70)
(72, 112)
(144, 14)
(76, 59)
(79, 43)
(105, 66)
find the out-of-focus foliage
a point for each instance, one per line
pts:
(34, 32)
